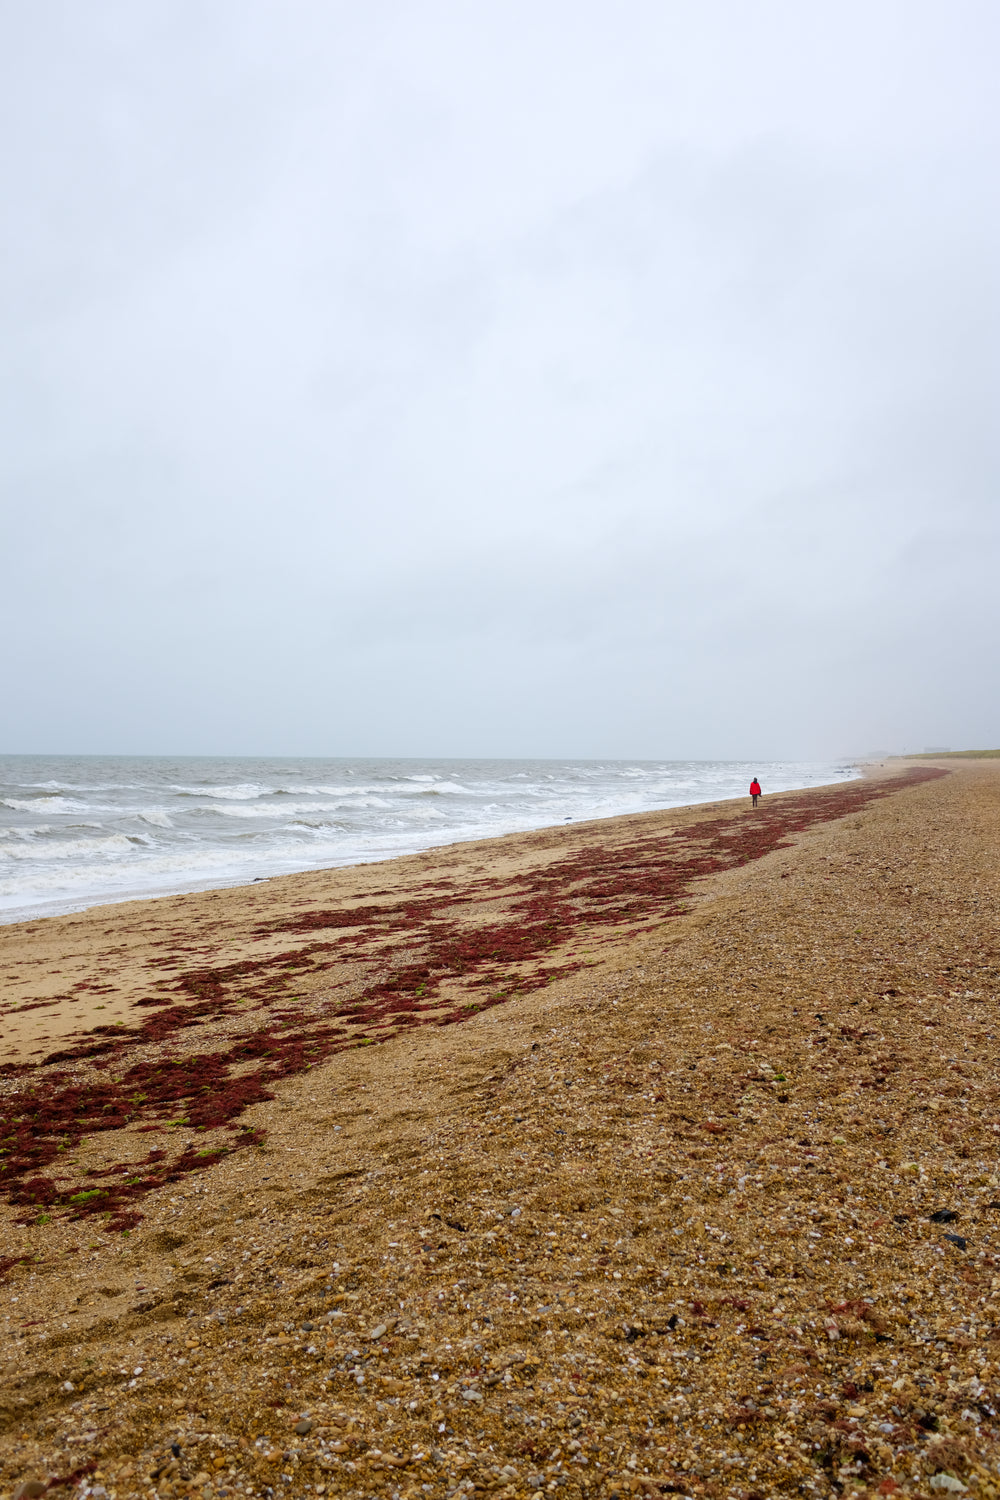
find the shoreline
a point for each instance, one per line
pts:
(157, 889)
(666, 1209)
(222, 920)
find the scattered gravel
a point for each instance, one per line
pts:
(718, 1215)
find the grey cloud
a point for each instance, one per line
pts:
(571, 379)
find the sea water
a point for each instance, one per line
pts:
(80, 830)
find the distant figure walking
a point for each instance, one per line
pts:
(754, 791)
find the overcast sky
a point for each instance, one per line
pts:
(499, 377)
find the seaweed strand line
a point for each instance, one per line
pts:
(599, 888)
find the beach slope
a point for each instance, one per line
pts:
(656, 1155)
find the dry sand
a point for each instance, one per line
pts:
(656, 1155)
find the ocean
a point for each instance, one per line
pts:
(76, 831)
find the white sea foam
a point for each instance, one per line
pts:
(156, 816)
(52, 805)
(80, 850)
(34, 804)
(243, 792)
(442, 788)
(289, 809)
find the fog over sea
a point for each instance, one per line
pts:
(76, 831)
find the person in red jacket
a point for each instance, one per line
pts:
(754, 790)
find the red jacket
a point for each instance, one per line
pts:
(755, 788)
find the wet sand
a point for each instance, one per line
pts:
(598, 1160)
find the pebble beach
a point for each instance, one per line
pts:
(656, 1155)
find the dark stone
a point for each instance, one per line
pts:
(957, 1241)
(175, 1449)
(944, 1216)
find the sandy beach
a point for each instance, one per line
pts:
(656, 1155)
